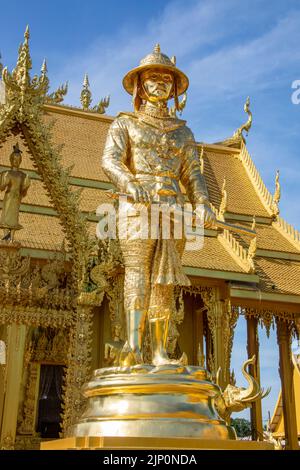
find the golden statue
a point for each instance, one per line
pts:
(15, 183)
(147, 153)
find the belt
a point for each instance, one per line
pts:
(157, 176)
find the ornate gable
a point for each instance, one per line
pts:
(22, 115)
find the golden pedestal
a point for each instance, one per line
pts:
(151, 443)
(167, 401)
(148, 407)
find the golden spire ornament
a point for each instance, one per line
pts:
(237, 138)
(223, 205)
(24, 64)
(277, 195)
(44, 69)
(86, 95)
(246, 127)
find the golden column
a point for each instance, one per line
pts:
(253, 349)
(221, 322)
(16, 336)
(286, 376)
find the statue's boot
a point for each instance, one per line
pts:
(159, 336)
(131, 353)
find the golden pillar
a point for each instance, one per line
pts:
(199, 334)
(208, 345)
(79, 364)
(253, 349)
(286, 376)
(16, 337)
(221, 322)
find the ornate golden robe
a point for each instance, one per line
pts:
(159, 153)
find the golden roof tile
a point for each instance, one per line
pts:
(268, 238)
(241, 195)
(213, 256)
(40, 232)
(278, 276)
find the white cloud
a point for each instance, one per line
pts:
(257, 64)
(201, 36)
(181, 30)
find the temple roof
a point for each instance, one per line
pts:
(83, 133)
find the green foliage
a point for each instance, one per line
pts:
(242, 427)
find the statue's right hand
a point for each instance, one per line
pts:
(138, 193)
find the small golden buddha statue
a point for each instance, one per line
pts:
(15, 183)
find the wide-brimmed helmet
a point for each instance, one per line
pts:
(160, 61)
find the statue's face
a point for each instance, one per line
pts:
(157, 84)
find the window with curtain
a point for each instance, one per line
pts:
(50, 396)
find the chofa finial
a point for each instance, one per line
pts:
(276, 196)
(246, 127)
(224, 201)
(44, 69)
(156, 49)
(86, 95)
(238, 137)
(27, 34)
(86, 82)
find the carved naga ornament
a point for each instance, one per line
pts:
(235, 399)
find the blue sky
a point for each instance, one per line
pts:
(228, 48)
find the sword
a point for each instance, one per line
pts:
(219, 224)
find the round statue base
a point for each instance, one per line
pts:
(151, 402)
(151, 443)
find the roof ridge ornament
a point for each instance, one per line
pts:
(58, 95)
(224, 201)
(24, 63)
(241, 255)
(256, 179)
(24, 91)
(23, 112)
(86, 95)
(276, 196)
(102, 105)
(247, 126)
(237, 138)
(86, 99)
(44, 69)
(156, 49)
